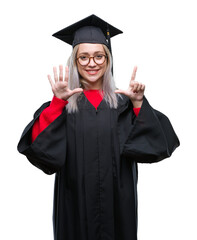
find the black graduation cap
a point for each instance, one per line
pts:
(91, 29)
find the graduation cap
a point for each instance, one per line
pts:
(91, 29)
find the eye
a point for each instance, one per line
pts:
(83, 58)
(99, 56)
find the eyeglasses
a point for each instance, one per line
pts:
(85, 60)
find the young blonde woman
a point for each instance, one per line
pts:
(92, 136)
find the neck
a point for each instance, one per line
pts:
(97, 85)
(91, 88)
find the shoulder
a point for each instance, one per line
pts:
(43, 106)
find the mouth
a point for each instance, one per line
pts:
(92, 72)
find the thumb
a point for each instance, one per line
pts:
(120, 91)
(77, 90)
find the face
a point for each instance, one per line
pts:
(93, 72)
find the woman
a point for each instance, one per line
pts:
(95, 142)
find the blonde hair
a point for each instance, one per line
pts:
(108, 86)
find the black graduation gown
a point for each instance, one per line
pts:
(94, 155)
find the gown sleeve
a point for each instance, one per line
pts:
(48, 115)
(48, 151)
(151, 137)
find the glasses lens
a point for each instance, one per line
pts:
(83, 60)
(99, 59)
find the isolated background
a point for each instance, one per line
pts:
(160, 38)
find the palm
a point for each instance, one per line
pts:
(60, 86)
(135, 90)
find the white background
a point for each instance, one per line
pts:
(160, 38)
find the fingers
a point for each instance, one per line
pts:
(55, 74)
(60, 73)
(74, 91)
(134, 87)
(134, 73)
(77, 90)
(120, 91)
(137, 87)
(66, 74)
(143, 87)
(50, 80)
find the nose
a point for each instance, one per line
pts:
(92, 63)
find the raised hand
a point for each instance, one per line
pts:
(135, 90)
(60, 86)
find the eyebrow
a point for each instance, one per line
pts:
(87, 53)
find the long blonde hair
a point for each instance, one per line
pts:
(108, 86)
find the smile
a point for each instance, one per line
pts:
(92, 72)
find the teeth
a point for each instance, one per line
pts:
(92, 71)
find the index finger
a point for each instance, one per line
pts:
(134, 73)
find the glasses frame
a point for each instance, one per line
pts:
(77, 59)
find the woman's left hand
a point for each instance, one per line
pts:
(135, 91)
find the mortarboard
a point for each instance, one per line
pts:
(91, 29)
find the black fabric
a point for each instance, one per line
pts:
(94, 155)
(91, 29)
(89, 34)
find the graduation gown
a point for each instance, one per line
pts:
(94, 154)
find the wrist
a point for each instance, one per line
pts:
(58, 101)
(137, 104)
(59, 96)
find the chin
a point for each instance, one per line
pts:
(93, 78)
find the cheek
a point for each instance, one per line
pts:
(104, 68)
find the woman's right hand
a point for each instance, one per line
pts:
(60, 86)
